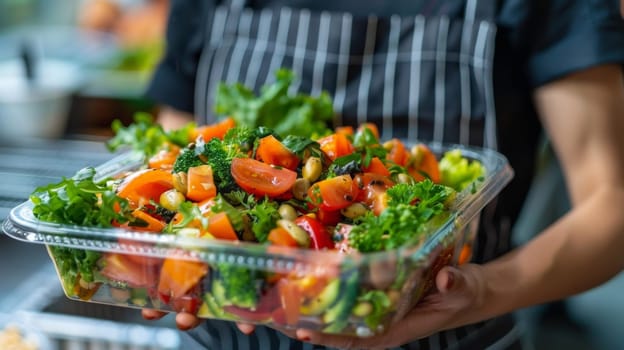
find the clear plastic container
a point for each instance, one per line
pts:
(358, 294)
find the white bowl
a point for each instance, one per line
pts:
(38, 108)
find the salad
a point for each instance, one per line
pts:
(342, 191)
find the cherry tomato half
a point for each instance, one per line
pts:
(334, 193)
(260, 178)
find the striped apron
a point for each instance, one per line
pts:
(422, 77)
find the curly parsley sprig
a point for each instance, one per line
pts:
(410, 207)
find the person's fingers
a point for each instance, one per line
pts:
(150, 314)
(246, 328)
(186, 321)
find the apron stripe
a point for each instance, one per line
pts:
(391, 61)
(264, 341)
(343, 67)
(216, 76)
(490, 110)
(466, 41)
(367, 70)
(321, 54)
(283, 28)
(440, 80)
(300, 49)
(415, 72)
(217, 29)
(241, 46)
(260, 46)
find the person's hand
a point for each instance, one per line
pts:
(184, 320)
(459, 297)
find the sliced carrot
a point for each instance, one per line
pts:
(153, 224)
(216, 130)
(219, 226)
(425, 166)
(271, 151)
(281, 237)
(200, 183)
(376, 166)
(145, 185)
(177, 276)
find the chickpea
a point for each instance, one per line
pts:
(180, 182)
(297, 233)
(403, 178)
(417, 154)
(354, 210)
(394, 296)
(362, 309)
(388, 145)
(287, 212)
(300, 188)
(312, 169)
(171, 199)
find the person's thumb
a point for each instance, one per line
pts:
(450, 279)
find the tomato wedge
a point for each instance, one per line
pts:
(336, 145)
(271, 151)
(120, 267)
(334, 193)
(145, 185)
(398, 154)
(290, 295)
(378, 167)
(373, 190)
(260, 178)
(425, 165)
(370, 126)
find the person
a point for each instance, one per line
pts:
(478, 72)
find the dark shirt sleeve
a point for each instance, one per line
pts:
(559, 37)
(173, 81)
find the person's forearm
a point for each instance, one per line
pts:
(581, 250)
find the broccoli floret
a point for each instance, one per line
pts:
(187, 159)
(237, 142)
(239, 284)
(219, 155)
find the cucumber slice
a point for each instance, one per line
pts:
(326, 298)
(337, 316)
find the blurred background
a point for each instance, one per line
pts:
(68, 68)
